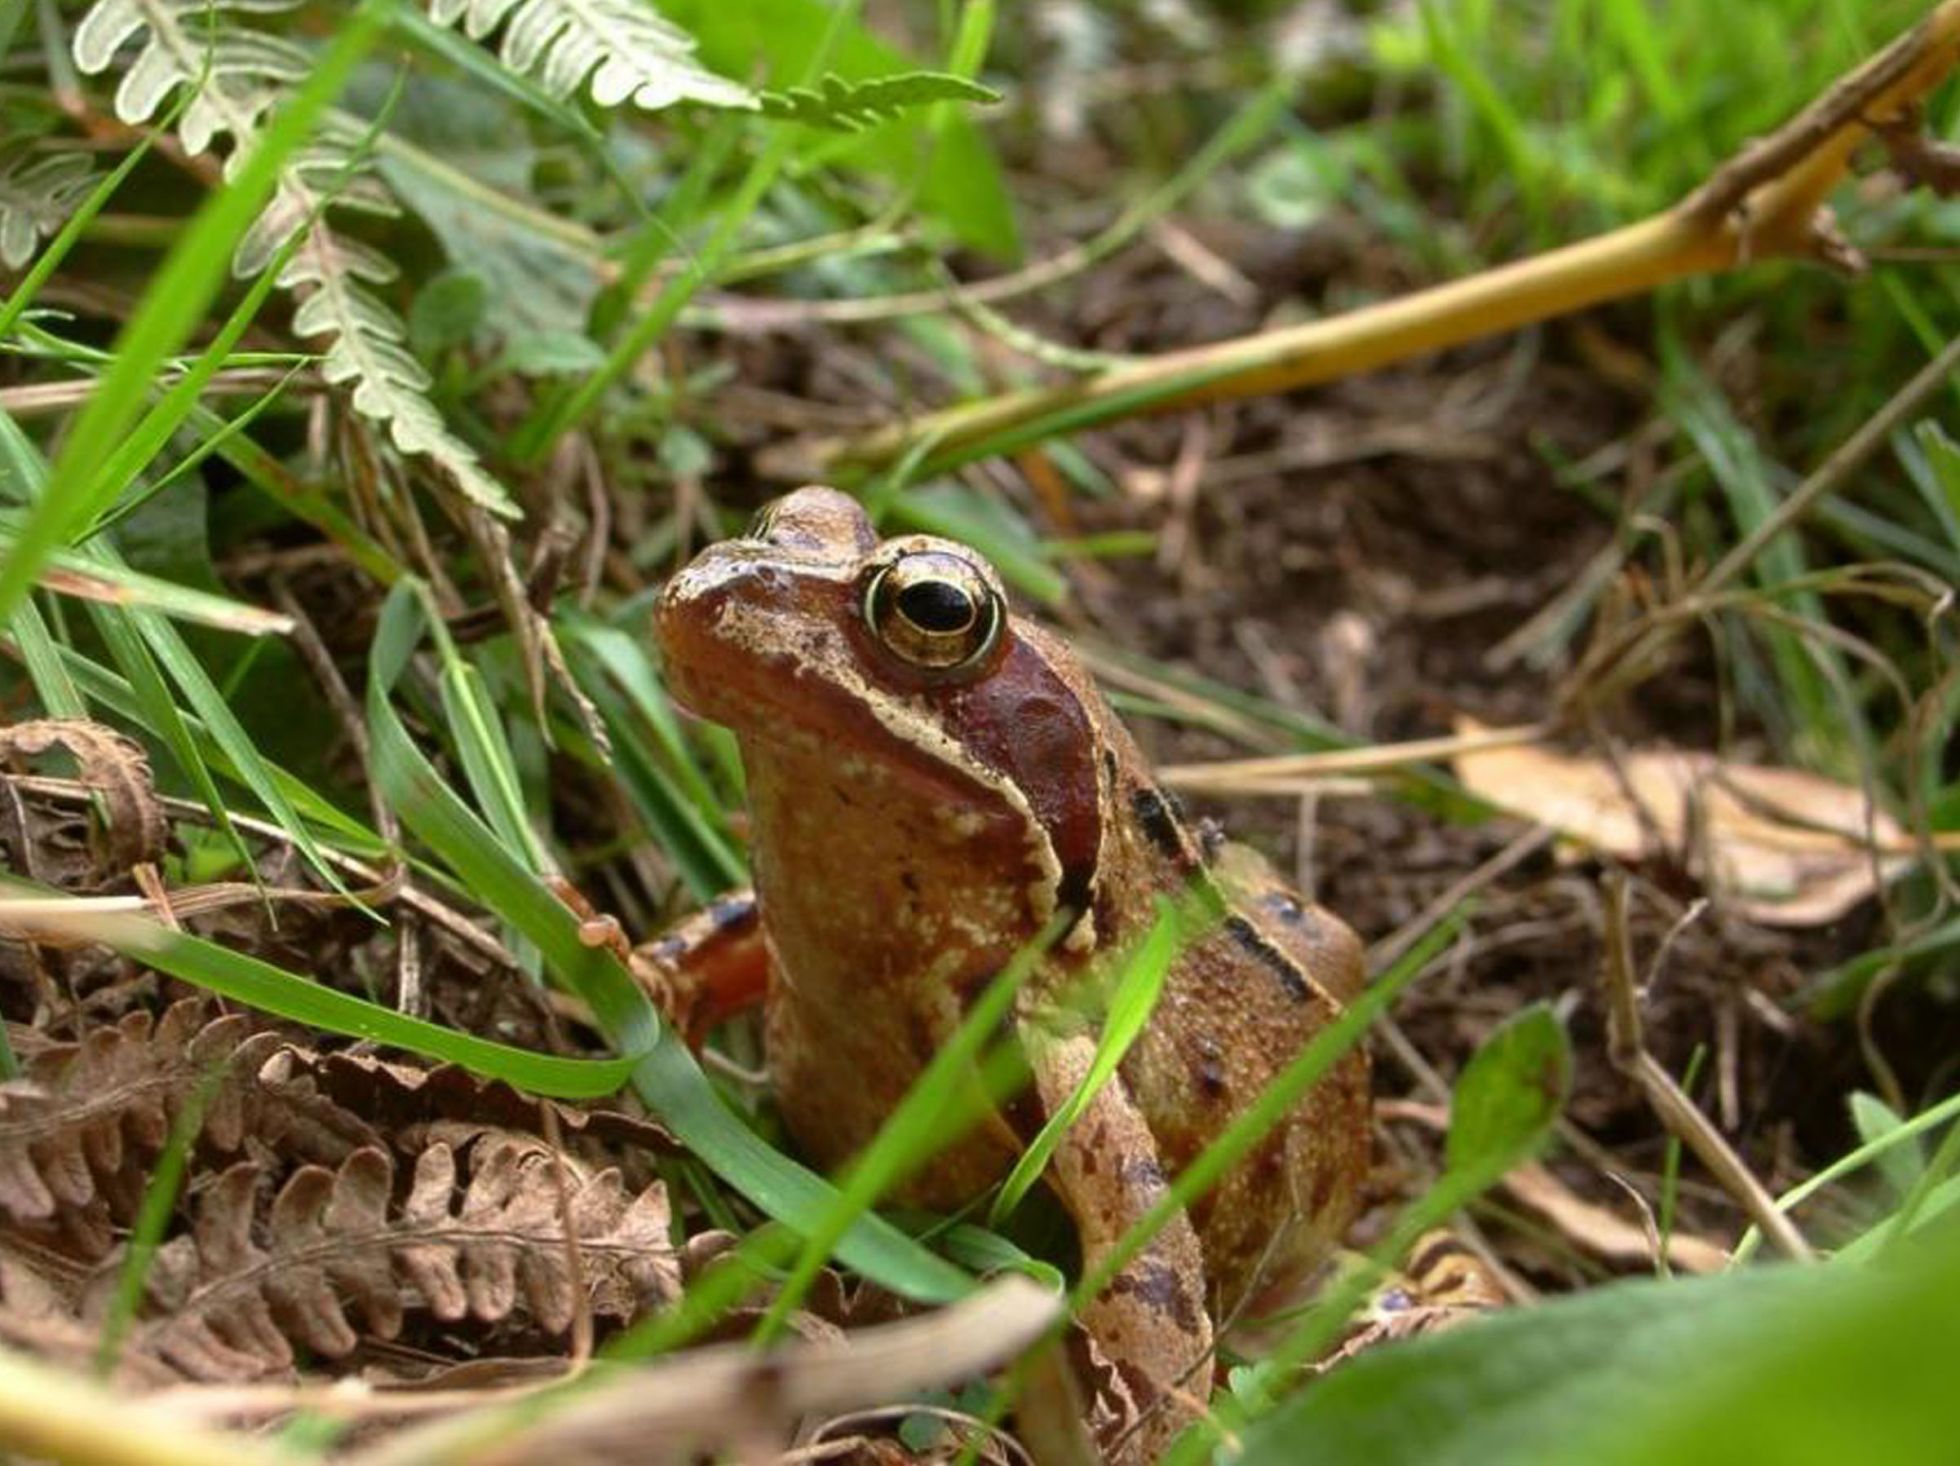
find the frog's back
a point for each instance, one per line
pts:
(1240, 1005)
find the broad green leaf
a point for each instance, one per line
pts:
(1509, 1093)
(1943, 456)
(1788, 1364)
(1900, 1162)
(532, 283)
(1501, 1112)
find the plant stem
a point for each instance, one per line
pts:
(1765, 202)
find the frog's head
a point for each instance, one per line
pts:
(902, 652)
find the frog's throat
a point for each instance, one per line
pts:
(786, 694)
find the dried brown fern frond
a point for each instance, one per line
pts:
(480, 1234)
(82, 1120)
(399, 1098)
(40, 1311)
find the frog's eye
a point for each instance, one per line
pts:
(933, 610)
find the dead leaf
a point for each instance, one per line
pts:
(1602, 1232)
(668, 1409)
(117, 769)
(1778, 846)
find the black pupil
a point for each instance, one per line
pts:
(935, 605)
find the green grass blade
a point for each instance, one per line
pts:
(708, 864)
(179, 294)
(157, 713)
(943, 1102)
(667, 1076)
(211, 705)
(486, 756)
(60, 697)
(1501, 1114)
(108, 583)
(153, 432)
(207, 444)
(104, 687)
(1809, 716)
(1286, 1090)
(160, 1195)
(270, 989)
(1130, 1007)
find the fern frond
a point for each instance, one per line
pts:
(481, 1234)
(853, 106)
(237, 73)
(390, 385)
(235, 76)
(36, 197)
(625, 50)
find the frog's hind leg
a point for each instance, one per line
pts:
(709, 967)
(1150, 1321)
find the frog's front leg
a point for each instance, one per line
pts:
(1150, 1322)
(708, 967)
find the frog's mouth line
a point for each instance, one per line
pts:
(723, 668)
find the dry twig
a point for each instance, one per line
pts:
(1767, 201)
(1668, 1100)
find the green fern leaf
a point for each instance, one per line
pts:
(236, 75)
(367, 351)
(853, 106)
(620, 49)
(36, 196)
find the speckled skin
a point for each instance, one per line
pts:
(912, 832)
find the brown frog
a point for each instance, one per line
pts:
(931, 782)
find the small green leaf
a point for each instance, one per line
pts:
(1943, 454)
(446, 312)
(1901, 1164)
(1509, 1093)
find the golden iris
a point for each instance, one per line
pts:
(933, 610)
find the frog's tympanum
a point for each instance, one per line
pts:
(931, 782)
